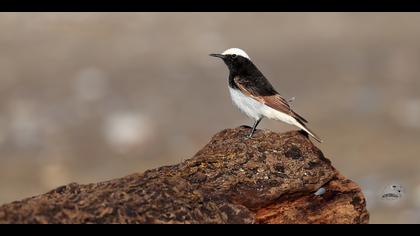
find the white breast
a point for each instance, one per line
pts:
(256, 110)
(249, 106)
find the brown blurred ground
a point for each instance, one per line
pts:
(86, 97)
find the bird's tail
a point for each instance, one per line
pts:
(307, 130)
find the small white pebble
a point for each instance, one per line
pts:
(320, 191)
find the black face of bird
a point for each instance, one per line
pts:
(233, 61)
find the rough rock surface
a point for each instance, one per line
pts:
(270, 178)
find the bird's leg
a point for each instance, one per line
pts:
(254, 127)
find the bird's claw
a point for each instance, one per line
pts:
(248, 136)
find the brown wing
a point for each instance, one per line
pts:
(274, 101)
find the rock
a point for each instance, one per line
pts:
(342, 203)
(270, 178)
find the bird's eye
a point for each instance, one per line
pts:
(234, 55)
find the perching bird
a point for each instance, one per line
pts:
(254, 95)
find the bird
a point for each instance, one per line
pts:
(254, 95)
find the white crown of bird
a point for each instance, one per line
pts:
(236, 51)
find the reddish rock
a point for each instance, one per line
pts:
(270, 178)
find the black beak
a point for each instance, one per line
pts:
(217, 55)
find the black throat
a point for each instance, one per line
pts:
(249, 77)
(246, 70)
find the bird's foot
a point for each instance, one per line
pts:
(249, 136)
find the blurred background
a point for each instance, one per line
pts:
(87, 97)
